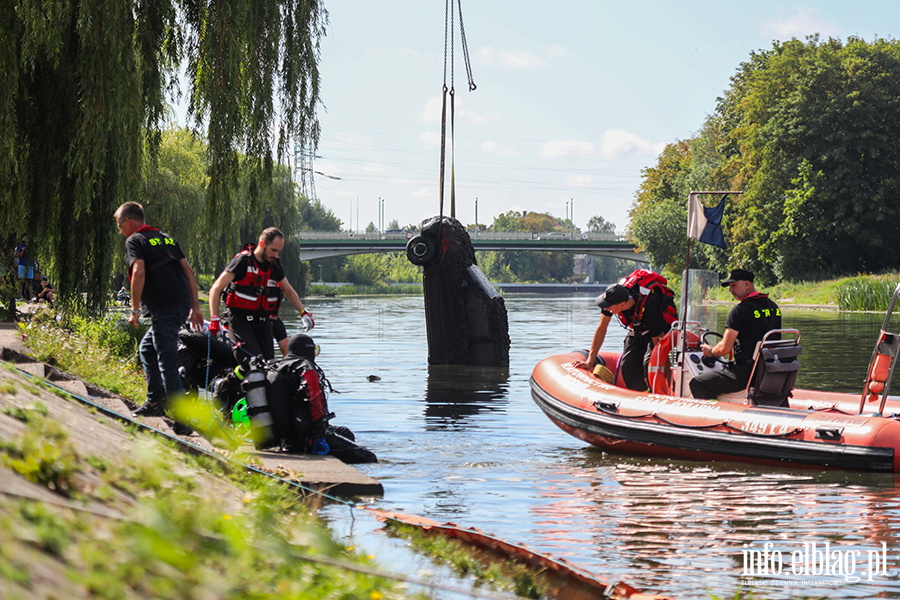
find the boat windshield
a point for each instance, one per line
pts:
(700, 289)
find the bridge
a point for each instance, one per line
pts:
(315, 245)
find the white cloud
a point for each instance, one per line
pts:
(328, 168)
(579, 181)
(519, 60)
(557, 51)
(560, 148)
(431, 113)
(499, 149)
(423, 193)
(618, 143)
(373, 168)
(803, 22)
(430, 139)
(487, 54)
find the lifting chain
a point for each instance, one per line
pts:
(449, 21)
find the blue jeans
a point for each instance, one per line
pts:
(159, 353)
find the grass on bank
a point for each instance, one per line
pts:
(100, 351)
(149, 522)
(506, 575)
(864, 292)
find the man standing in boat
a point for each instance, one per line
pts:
(644, 306)
(752, 318)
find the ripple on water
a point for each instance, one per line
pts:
(470, 446)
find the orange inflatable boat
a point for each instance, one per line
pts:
(769, 423)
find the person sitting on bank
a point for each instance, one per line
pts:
(647, 311)
(46, 294)
(748, 322)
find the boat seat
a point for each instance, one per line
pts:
(775, 370)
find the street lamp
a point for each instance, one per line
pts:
(320, 274)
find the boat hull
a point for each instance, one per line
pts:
(815, 432)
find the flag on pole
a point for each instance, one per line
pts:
(705, 224)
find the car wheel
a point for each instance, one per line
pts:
(421, 250)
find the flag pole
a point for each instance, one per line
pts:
(682, 341)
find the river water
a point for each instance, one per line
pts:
(470, 446)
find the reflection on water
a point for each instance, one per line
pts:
(482, 454)
(452, 394)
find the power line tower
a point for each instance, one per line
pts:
(303, 169)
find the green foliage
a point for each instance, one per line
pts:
(504, 574)
(111, 332)
(82, 90)
(866, 293)
(523, 267)
(25, 414)
(598, 224)
(43, 454)
(807, 130)
(89, 358)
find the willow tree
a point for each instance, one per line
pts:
(83, 89)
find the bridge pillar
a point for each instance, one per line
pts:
(465, 317)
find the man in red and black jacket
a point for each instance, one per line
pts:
(255, 282)
(164, 289)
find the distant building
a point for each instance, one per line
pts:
(584, 266)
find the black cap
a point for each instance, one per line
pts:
(614, 294)
(303, 346)
(738, 275)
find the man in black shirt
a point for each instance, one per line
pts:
(163, 288)
(255, 282)
(644, 329)
(753, 317)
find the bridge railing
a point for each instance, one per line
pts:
(481, 235)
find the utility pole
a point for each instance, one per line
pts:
(476, 217)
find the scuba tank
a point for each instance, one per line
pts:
(254, 388)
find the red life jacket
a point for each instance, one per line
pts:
(256, 291)
(641, 284)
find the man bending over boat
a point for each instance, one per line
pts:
(752, 318)
(645, 307)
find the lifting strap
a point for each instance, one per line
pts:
(449, 19)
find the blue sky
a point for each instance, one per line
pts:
(574, 97)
